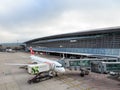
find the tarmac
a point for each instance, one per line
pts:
(14, 78)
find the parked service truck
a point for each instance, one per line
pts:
(37, 68)
(41, 71)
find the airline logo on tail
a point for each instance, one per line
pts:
(31, 51)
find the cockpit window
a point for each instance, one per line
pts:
(58, 66)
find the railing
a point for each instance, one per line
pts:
(94, 51)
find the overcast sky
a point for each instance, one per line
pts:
(22, 20)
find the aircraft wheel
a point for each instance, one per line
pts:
(52, 73)
(86, 72)
(29, 81)
(82, 74)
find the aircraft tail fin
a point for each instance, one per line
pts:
(31, 51)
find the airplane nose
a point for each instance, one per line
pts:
(63, 70)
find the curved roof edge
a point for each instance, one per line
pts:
(93, 31)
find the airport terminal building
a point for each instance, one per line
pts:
(100, 42)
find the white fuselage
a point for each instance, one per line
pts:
(57, 67)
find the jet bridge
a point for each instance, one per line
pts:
(85, 64)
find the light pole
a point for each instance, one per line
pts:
(17, 45)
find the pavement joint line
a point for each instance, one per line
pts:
(79, 86)
(70, 82)
(72, 85)
(60, 78)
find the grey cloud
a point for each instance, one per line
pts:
(45, 10)
(94, 13)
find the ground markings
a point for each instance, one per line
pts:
(73, 83)
(7, 83)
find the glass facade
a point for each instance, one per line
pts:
(83, 63)
(98, 44)
(113, 67)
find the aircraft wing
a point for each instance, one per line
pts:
(16, 64)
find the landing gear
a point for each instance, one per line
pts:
(84, 72)
(52, 73)
(23, 67)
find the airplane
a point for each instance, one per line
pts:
(56, 66)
